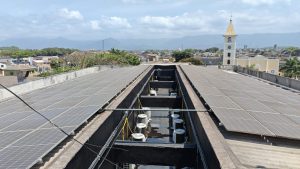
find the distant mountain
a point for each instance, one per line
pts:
(200, 42)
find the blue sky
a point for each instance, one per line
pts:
(97, 19)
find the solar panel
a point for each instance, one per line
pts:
(247, 104)
(22, 156)
(246, 126)
(271, 118)
(220, 101)
(224, 113)
(233, 93)
(284, 130)
(52, 113)
(41, 137)
(251, 104)
(96, 99)
(26, 137)
(259, 96)
(26, 124)
(12, 118)
(211, 91)
(8, 137)
(282, 108)
(68, 102)
(295, 119)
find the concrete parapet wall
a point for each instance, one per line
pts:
(295, 84)
(49, 81)
(284, 81)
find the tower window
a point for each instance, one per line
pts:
(228, 54)
(229, 47)
(229, 40)
(228, 62)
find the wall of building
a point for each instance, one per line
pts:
(259, 64)
(211, 60)
(273, 64)
(265, 65)
(242, 62)
(49, 81)
(10, 72)
(232, 50)
(287, 82)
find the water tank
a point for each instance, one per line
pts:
(178, 124)
(147, 111)
(138, 137)
(143, 118)
(176, 112)
(141, 128)
(153, 92)
(3, 66)
(179, 136)
(173, 94)
(173, 117)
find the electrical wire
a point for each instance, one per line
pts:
(59, 128)
(157, 109)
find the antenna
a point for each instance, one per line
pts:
(103, 45)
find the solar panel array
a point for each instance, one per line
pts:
(247, 105)
(25, 137)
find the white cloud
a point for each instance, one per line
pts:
(155, 1)
(263, 21)
(70, 14)
(132, 1)
(158, 21)
(110, 22)
(267, 2)
(187, 24)
(95, 25)
(192, 21)
(196, 23)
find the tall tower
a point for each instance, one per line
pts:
(229, 45)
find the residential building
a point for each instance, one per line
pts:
(46, 59)
(261, 63)
(21, 71)
(41, 66)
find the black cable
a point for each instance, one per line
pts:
(56, 126)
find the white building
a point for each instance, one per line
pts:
(259, 63)
(229, 54)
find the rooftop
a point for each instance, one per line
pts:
(19, 67)
(230, 30)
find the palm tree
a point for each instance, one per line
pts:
(291, 68)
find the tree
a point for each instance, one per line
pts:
(116, 51)
(291, 68)
(192, 61)
(18, 53)
(212, 50)
(57, 63)
(179, 55)
(251, 67)
(293, 51)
